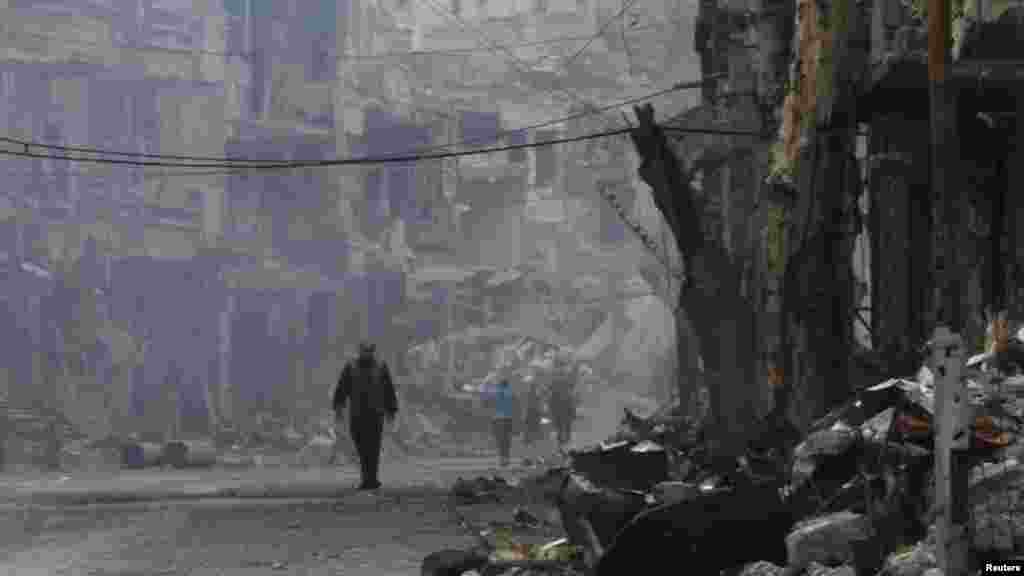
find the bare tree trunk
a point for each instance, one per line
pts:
(723, 322)
(722, 319)
(690, 377)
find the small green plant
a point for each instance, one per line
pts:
(903, 550)
(780, 168)
(919, 8)
(959, 10)
(792, 85)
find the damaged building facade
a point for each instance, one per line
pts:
(171, 303)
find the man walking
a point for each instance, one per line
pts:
(366, 380)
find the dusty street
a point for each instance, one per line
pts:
(354, 534)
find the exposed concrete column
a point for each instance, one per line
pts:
(300, 367)
(224, 357)
(531, 163)
(214, 208)
(563, 158)
(450, 328)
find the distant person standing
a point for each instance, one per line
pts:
(366, 380)
(562, 400)
(533, 416)
(505, 413)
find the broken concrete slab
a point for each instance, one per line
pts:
(827, 539)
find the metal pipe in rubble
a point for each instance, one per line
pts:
(952, 440)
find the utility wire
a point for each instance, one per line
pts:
(491, 47)
(449, 52)
(515, 60)
(714, 131)
(497, 136)
(511, 57)
(316, 163)
(618, 15)
(350, 161)
(89, 150)
(145, 173)
(520, 67)
(629, 52)
(480, 140)
(590, 111)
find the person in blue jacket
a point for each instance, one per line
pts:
(505, 413)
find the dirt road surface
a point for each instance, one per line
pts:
(358, 535)
(354, 534)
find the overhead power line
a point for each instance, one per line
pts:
(317, 163)
(405, 159)
(591, 111)
(497, 136)
(28, 144)
(712, 131)
(146, 173)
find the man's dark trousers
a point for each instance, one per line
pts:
(367, 432)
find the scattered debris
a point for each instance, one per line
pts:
(189, 454)
(525, 518)
(453, 562)
(697, 529)
(629, 465)
(673, 492)
(761, 569)
(913, 561)
(137, 455)
(480, 490)
(826, 540)
(852, 495)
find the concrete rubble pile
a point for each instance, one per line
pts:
(851, 496)
(39, 437)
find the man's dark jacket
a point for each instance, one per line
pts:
(367, 382)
